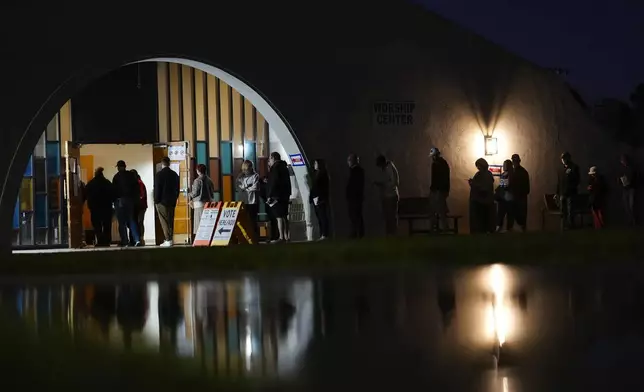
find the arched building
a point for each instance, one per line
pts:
(324, 70)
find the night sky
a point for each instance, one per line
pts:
(601, 42)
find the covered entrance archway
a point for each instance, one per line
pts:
(201, 134)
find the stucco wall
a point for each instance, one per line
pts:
(321, 67)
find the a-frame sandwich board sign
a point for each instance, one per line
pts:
(233, 226)
(207, 224)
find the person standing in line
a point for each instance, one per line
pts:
(279, 194)
(438, 190)
(520, 192)
(127, 194)
(481, 198)
(273, 232)
(628, 182)
(140, 208)
(568, 182)
(387, 183)
(597, 190)
(248, 185)
(319, 197)
(504, 196)
(355, 196)
(100, 196)
(166, 193)
(202, 192)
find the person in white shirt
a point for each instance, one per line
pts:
(248, 185)
(387, 183)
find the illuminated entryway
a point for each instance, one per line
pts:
(220, 120)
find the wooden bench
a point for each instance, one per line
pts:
(413, 209)
(581, 207)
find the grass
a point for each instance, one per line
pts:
(51, 359)
(543, 248)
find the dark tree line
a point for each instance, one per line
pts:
(623, 120)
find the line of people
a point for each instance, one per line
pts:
(567, 196)
(126, 197)
(492, 209)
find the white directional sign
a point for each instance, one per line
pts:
(226, 225)
(207, 225)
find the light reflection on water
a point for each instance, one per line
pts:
(402, 328)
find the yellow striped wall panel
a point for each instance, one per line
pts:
(188, 108)
(175, 109)
(262, 135)
(66, 123)
(162, 105)
(200, 105)
(212, 96)
(237, 125)
(249, 123)
(224, 110)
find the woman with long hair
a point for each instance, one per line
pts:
(140, 208)
(248, 185)
(319, 197)
(202, 192)
(505, 198)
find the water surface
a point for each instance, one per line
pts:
(489, 328)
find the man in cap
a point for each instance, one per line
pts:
(439, 189)
(126, 194)
(520, 192)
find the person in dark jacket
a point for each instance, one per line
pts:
(126, 195)
(567, 184)
(520, 192)
(319, 197)
(140, 208)
(355, 196)
(481, 198)
(597, 190)
(100, 196)
(273, 234)
(627, 181)
(438, 190)
(166, 193)
(279, 194)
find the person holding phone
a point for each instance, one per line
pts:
(248, 185)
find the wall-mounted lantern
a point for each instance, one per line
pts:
(491, 146)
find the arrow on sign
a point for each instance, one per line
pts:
(222, 230)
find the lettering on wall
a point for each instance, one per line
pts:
(393, 113)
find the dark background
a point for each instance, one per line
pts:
(119, 108)
(600, 43)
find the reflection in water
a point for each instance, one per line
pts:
(227, 324)
(499, 321)
(281, 327)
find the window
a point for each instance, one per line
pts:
(52, 129)
(26, 195)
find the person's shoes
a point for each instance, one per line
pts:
(323, 238)
(278, 241)
(138, 244)
(166, 244)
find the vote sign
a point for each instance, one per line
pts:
(207, 224)
(226, 225)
